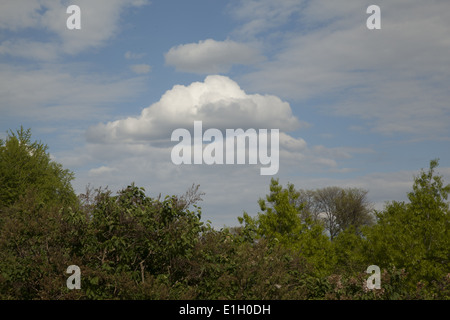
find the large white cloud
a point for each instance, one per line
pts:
(211, 56)
(218, 101)
(138, 149)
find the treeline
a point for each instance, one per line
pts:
(303, 244)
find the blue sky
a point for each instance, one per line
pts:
(355, 107)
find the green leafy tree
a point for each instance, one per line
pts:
(35, 200)
(27, 166)
(279, 219)
(37, 244)
(415, 236)
(132, 237)
(282, 221)
(131, 246)
(226, 266)
(349, 249)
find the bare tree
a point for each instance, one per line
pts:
(310, 207)
(337, 208)
(191, 197)
(353, 209)
(326, 202)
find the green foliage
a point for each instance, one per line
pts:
(349, 251)
(283, 222)
(34, 251)
(415, 235)
(131, 246)
(132, 235)
(279, 219)
(26, 166)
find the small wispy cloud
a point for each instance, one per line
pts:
(141, 68)
(101, 171)
(133, 55)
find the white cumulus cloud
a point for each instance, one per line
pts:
(218, 101)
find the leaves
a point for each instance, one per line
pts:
(302, 244)
(415, 235)
(25, 166)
